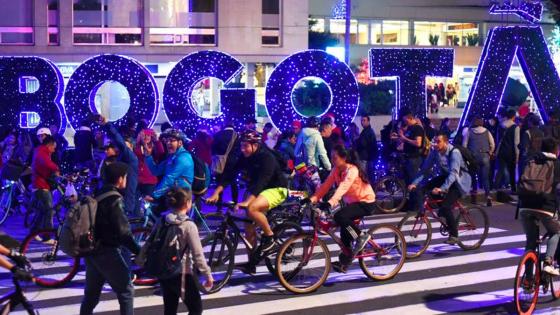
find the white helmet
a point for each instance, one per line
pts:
(44, 131)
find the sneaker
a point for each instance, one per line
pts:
(268, 245)
(38, 238)
(339, 267)
(49, 242)
(361, 243)
(247, 268)
(452, 240)
(551, 270)
(488, 202)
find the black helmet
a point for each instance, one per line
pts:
(312, 122)
(174, 133)
(251, 136)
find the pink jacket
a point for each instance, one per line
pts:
(351, 188)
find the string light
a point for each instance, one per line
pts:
(79, 97)
(411, 66)
(529, 11)
(45, 102)
(237, 104)
(337, 75)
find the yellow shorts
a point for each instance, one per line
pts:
(274, 196)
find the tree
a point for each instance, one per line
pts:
(320, 40)
(553, 6)
(362, 72)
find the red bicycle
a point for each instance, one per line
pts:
(472, 225)
(303, 262)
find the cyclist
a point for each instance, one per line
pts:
(19, 260)
(542, 207)
(453, 180)
(310, 147)
(353, 187)
(267, 187)
(177, 169)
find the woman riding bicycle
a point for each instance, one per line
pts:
(353, 187)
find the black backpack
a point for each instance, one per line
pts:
(279, 157)
(468, 157)
(201, 179)
(164, 257)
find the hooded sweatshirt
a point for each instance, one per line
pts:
(310, 143)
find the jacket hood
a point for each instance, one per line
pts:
(175, 218)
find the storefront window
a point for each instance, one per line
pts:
(446, 34)
(107, 22)
(271, 22)
(16, 22)
(395, 32)
(183, 22)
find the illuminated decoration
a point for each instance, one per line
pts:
(43, 99)
(239, 104)
(339, 10)
(79, 97)
(337, 75)
(411, 66)
(529, 11)
(503, 44)
(29, 120)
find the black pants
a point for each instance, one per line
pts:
(446, 206)
(43, 206)
(345, 219)
(171, 290)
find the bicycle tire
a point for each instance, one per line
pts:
(555, 286)
(466, 223)
(415, 245)
(373, 246)
(532, 286)
(140, 235)
(216, 259)
(279, 232)
(392, 182)
(31, 246)
(288, 250)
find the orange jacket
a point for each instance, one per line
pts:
(351, 188)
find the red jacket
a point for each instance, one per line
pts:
(42, 168)
(144, 174)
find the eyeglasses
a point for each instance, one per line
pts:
(169, 140)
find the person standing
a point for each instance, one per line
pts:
(84, 142)
(310, 147)
(43, 169)
(480, 142)
(112, 231)
(366, 147)
(508, 149)
(296, 127)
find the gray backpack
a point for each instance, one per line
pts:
(537, 178)
(77, 237)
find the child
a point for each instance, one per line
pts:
(179, 201)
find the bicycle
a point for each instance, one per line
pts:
(303, 262)
(472, 225)
(390, 190)
(9, 192)
(17, 297)
(529, 277)
(221, 246)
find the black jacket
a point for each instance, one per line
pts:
(366, 145)
(84, 141)
(111, 224)
(262, 170)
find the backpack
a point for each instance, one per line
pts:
(77, 237)
(468, 157)
(164, 257)
(537, 178)
(219, 161)
(201, 179)
(535, 140)
(279, 157)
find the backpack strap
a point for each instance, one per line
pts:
(449, 159)
(106, 195)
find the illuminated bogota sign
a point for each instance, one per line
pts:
(19, 105)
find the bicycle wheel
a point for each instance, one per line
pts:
(214, 220)
(220, 257)
(390, 194)
(473, 226)
(555, 286)
(303, 264)
(526, 284)
(140, 235)
(417, 233)
(382, 258)
(282, 232)
(5, 203)
(52, 268)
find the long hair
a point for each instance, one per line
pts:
(351, 157)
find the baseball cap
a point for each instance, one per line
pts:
(44, 131)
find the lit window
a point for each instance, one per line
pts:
(53, 21)
(16, 22)
(446, 34)
(395, 32)
(183, 22)
(338, 29)
(317, 25)
(376, 34)
(108, 22)
(271, 21)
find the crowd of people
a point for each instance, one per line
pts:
(138, 164)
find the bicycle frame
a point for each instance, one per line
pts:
(15, 298)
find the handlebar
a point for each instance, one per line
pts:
(228, 204)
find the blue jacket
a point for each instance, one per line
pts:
(451, 165)
(126, 156)
(311, 149)
(177, 170)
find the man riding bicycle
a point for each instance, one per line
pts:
(19, 260)
(177, 170)
(267, 189)
(453, 181)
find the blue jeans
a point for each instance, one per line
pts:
(530, 223)
(107, 266)
(482, 178)
(505, 174)
(43, 205)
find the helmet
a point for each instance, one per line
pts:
(174, 133)
(312, 122)
(44, 131)
(251, 136)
